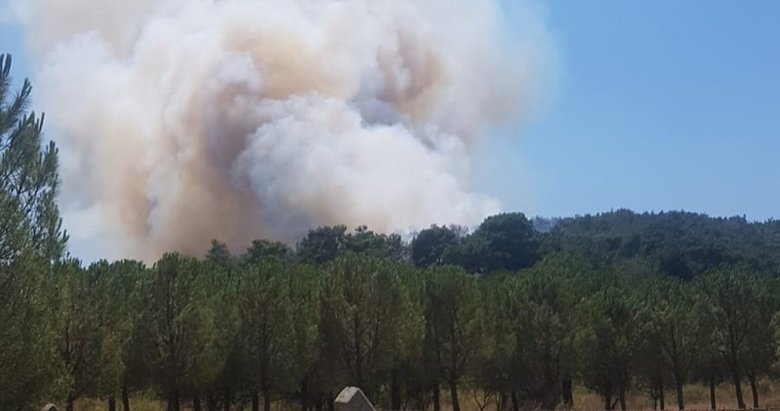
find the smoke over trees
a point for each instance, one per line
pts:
(234, 119)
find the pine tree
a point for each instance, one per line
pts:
(180, 318)
(29, 217)
(453, 331)
(30, 368)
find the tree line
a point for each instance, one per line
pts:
(514, 313)
(280, 326)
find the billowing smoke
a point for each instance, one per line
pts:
(180, 121)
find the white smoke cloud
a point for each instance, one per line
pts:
(185, 120)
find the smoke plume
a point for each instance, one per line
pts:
(180, 121)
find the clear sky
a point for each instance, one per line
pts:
(661, 105)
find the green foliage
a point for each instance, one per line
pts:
(30, 368)
(368, 313)
(304, 288)
(322, 244)
(268, 326)
(91, 328)
(682, 244)
(432, 245)
(734, 303)
(219, 254)
(366, 242)
(501, 242)
(453, 317)
(121, 295)
(265, 322)
(672, 339)
(179, 313)
(30, 240)
(29, 217)
(263, 249)
(610, 342)
(325, 244)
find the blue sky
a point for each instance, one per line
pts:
(661, 105)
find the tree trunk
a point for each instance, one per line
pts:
(196, 402)
(678, 377)
(125, 400)
(266, 399)
(173, 400)
(226, 399)
(436, 399)
(753, 389)
(255, 402)
(606, 394)
(622, 398)
(111, 403)
(678, 385)
(738, 387)
(549, 381)
(566, 391)
(395, 391)
(331, 402)
(662, 394)
(454, 395)
(176, 400)
(713, 405)
(421, 402)
(69, 403)
(358, 350)
(515, 403)
(304, 394)
(211, 402)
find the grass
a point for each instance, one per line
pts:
(697, 397)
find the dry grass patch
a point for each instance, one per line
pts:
(697, 397)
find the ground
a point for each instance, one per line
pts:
(697, 398)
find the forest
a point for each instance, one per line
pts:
(514, 314)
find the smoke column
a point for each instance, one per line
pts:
(180, 121)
